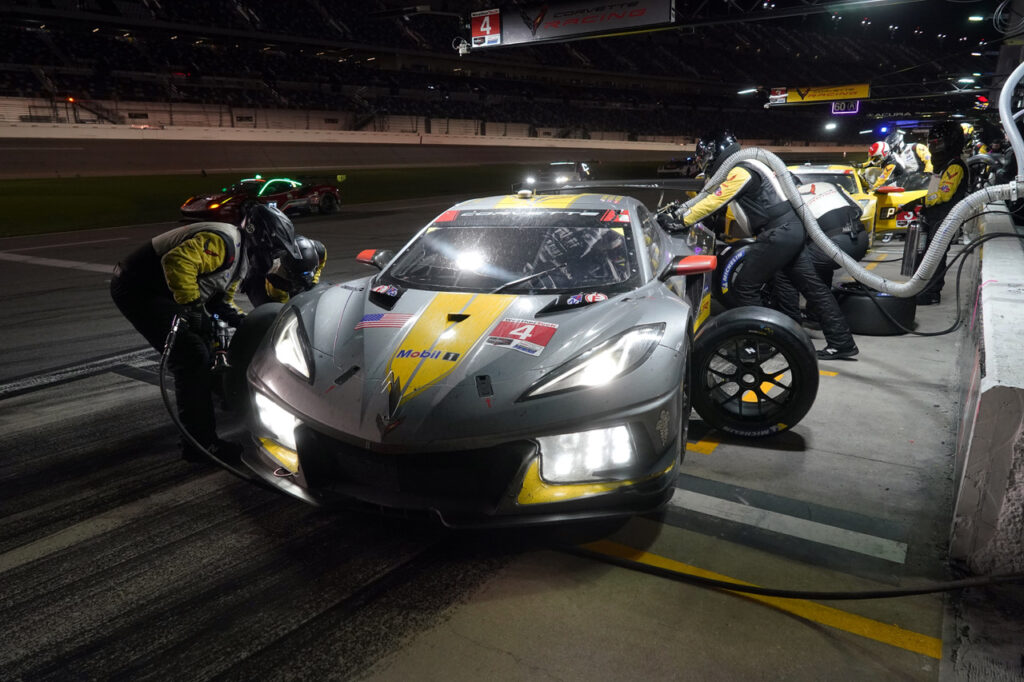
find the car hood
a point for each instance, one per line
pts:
(207, 199)
(421, 366)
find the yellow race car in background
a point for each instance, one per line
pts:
(881, 215)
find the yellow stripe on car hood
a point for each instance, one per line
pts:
(444, 333)
(539, 201)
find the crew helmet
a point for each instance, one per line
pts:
(714, 148)
(302, 268)
(269, 229)
(895, 141)
(946, 139)
(878, 152)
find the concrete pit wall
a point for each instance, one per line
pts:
(988, 522)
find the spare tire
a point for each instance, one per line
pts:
(754, 372)
(730, 264)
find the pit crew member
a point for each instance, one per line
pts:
(194, 271)
(780, 237)
(838, 215)
(946, 140)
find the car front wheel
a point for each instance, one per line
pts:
(754, 372)
(328, 204)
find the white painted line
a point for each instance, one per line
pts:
(62, 245)
(70, 373)
(58, 263)
(111, 520)
(861, 543)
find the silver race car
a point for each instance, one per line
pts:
(522, 359)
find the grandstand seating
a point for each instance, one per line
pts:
(298, 55)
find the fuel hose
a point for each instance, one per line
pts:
(172, 336)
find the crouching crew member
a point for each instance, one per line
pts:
(780, 237)
(288, 275)
(193, 271)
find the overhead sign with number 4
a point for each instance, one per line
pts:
(485, 27)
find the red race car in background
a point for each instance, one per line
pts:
(291, 196)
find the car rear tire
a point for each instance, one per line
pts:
(328, 204)
(754, 372)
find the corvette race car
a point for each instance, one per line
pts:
(882, 215)
(291, 196)
(523, 359)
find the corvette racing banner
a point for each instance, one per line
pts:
(563, 21)
(829, 93)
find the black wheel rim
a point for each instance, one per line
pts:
(749, 376)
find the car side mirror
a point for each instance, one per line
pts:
(378, 258)
(688, 265)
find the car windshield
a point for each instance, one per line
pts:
(250, 187)
(847, 182)
(487, 250)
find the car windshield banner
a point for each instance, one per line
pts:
(563, 21)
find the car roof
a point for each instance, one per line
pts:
(550, 201)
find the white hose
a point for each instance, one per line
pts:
(964, 210)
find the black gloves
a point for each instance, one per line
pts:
(195, 315)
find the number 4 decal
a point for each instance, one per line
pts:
(523, 332)
(525, 336)
(485, 25)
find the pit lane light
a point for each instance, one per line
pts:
(599, 365)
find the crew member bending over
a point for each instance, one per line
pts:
(780, 237)
(194, 271)
(898, 159)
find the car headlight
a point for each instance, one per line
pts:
(291, 347)
(530, 179)
(562, 178)
(585, 456)
(602, 363)
(279, 422)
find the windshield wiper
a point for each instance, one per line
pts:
(528, 277)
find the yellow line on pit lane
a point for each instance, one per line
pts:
(703, 447)
(826, 373)
(885, 633)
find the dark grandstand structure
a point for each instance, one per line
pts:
(370, 63)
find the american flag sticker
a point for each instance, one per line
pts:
(383, 320)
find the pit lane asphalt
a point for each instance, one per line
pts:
(119, 560)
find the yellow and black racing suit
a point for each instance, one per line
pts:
(199, 264)
(280, 284)
(937, 205)
(915, 159)
(779, 245)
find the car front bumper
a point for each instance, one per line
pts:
(494, 486)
